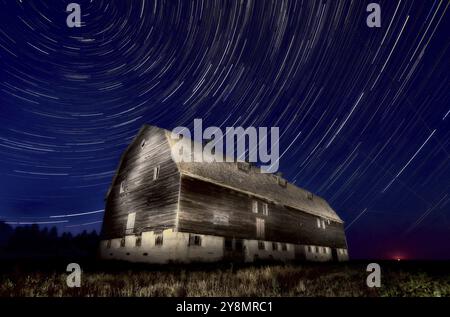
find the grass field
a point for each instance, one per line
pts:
(223, 280)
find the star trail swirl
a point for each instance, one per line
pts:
(363, 112)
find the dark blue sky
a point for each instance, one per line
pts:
(363, 112)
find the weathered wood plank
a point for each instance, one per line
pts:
(202, 204)
(154, 201)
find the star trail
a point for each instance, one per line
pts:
(363, 112)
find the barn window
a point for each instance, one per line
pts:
(284, 246)
(258, 206)
(155, 172)
(260, 228)
(261, 245)
(265, 209)
(130, 223)
(255, 206)
(122, 187)
(138, 241)
(195, 240)
(309, 249)
(281, 181)
(274, 246)
(316, 249)
(243, 166)
(158, 239)
(122, 243)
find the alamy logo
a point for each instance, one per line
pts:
(374, 18)
(74, 18)
(236, 141)
(74, 278)
(374, 278)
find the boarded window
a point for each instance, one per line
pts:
(195, 240)
(130, 223)
(260, 228)
(122, 187)
(265, 209)
(261, 245)
(155, 172)
(255, 206)
(158, 239)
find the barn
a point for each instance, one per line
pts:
(159, 210)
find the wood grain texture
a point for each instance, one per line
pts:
(154, 201)
(201, 202)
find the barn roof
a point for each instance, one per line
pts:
(253, 182)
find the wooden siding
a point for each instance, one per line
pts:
(207, 208)
(154, 201)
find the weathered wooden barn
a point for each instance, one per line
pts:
(159, 210)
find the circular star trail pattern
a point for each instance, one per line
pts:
(363, 112)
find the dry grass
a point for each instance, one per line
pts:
(266, 280)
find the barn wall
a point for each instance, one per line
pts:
(206, 208)
(153, 201)
(175, 248)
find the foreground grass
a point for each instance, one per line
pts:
(224, 281)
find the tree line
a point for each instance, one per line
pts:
(35, 242)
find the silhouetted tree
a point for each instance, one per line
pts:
(5, 233)
(30, 241)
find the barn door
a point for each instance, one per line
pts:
(334, 254)
(260, 229)
(130, 223)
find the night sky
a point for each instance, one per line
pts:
(363, 112)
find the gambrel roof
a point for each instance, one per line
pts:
(252, 182)
(262, 185)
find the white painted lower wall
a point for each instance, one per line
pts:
(176, 248)
(253, 252)
(342, 255)
(318, 253)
